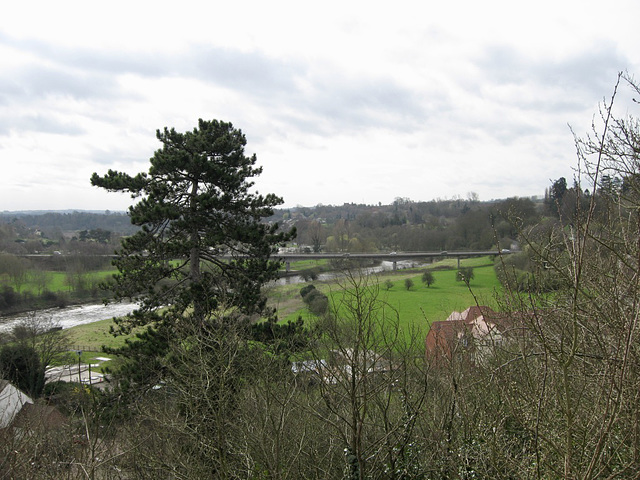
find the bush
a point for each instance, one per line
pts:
(8, 296)
(317, 301)
(310, 274)
(319, 305)
(49, 296)
(304, 291)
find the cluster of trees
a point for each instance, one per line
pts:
(27, 350)
(413, 226)
(205, 395)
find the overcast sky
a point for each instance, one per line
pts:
(350, 101)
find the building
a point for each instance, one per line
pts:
(466, 336)
(19, 413)
(12, 401)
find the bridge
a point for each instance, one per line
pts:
(394, 257)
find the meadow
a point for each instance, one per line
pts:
(416, 307)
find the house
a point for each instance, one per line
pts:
(467, 336)
(310, 372)
(35, 417)
(12, 401)
(18, 412)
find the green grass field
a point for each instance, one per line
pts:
(417, 307)
(420, 305)
(90, 338)
(94, 335)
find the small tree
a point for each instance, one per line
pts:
(16, 268)
(408, 284)
(304, 291)
(388, 284)
(428, 279)
(41, 279)
(317, 302)
(45, 336)
(364, 399)
(465, 274)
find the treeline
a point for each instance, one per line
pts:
(75, 232)
(118, 222)
(405, 225)
(455, 224)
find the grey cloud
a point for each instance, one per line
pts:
(44, 123)
(252, 72)
(590, 73)
(105, 155)
(48, 124)
(333, 101)
(367, 101)
(530, 96)
(85, 59)
(43, 81)
(224, 67)
(9, 89)
(335, 104)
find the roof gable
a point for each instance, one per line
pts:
(12, 400)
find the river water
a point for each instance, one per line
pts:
(69, 316)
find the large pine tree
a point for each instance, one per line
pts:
(202, 245)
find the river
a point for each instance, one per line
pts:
(81, 314)
(69, 316)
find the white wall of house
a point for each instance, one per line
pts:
(11, 402)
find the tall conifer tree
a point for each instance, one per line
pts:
(202, 242)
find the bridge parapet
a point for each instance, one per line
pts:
(391, 257)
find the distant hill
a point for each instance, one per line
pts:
(18, 213)
(71, 220)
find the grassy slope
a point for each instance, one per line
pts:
(94, 335)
